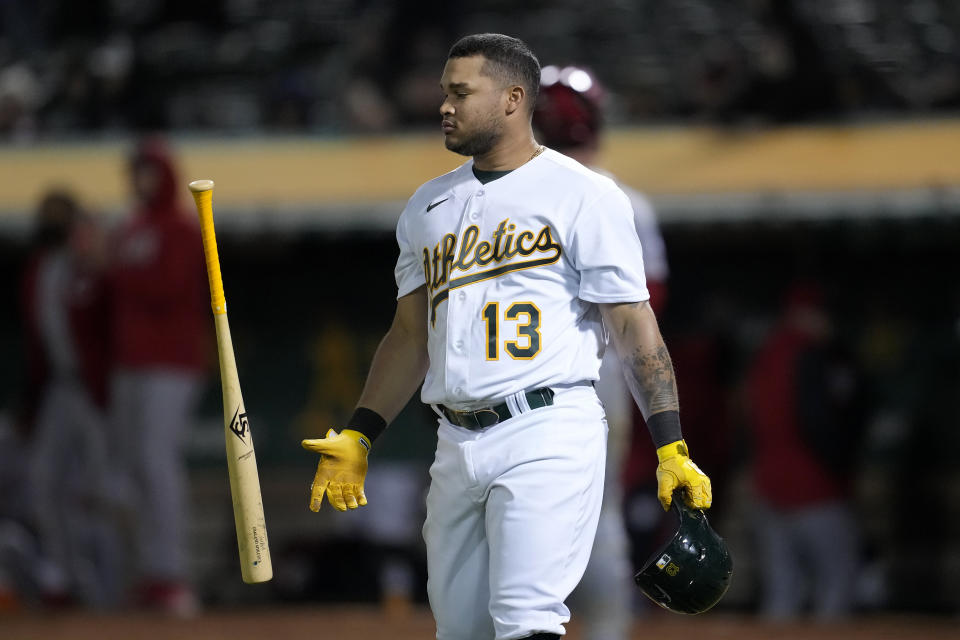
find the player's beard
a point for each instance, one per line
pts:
(480, 143)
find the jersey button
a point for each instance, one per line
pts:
(462, 295)
(480, 193)
(458, 391)
(475, 215)
(459, 345)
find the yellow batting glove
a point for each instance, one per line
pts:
(677, 470)
(341, 470)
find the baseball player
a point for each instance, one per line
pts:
(64, 303)
(159, 343)
(568, 118)
(513, 270)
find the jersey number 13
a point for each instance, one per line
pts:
(527, 316)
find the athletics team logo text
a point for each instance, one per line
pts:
(452, 255)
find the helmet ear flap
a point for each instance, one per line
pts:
(692, 570)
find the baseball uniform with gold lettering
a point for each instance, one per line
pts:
(515, 265)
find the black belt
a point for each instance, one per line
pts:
(483, 418)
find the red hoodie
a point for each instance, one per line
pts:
(159, 305)
(786, 471)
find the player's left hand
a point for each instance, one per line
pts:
(341, 470)
(677, 470)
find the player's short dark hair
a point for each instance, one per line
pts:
(57, 213)
(509, 60)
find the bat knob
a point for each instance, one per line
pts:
(198, 186)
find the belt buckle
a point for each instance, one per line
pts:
(492, 417)
(479, 419)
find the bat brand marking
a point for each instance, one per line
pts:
(239, 425)
(256, 547)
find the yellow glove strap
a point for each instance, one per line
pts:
(359, 437)
(678, 448)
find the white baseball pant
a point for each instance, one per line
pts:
(511, 516)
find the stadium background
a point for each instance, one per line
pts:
(776, 139)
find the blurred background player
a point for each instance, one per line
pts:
(64, 308)
(160, 345)
(803, 406)
(569, 119)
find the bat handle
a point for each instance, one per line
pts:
(202, 191)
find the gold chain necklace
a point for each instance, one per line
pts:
(539, 150)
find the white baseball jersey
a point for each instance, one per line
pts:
(654, 251)
(512, 270)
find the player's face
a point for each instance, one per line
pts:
(472, 108)
(146, 181)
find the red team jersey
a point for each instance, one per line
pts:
(159, 310)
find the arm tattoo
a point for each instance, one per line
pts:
(651, 379)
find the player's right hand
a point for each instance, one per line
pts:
(677, 470)
(341, 470)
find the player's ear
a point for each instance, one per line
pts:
(515, 96)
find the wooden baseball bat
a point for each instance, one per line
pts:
(255, 564)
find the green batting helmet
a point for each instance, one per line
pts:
(691, 572)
